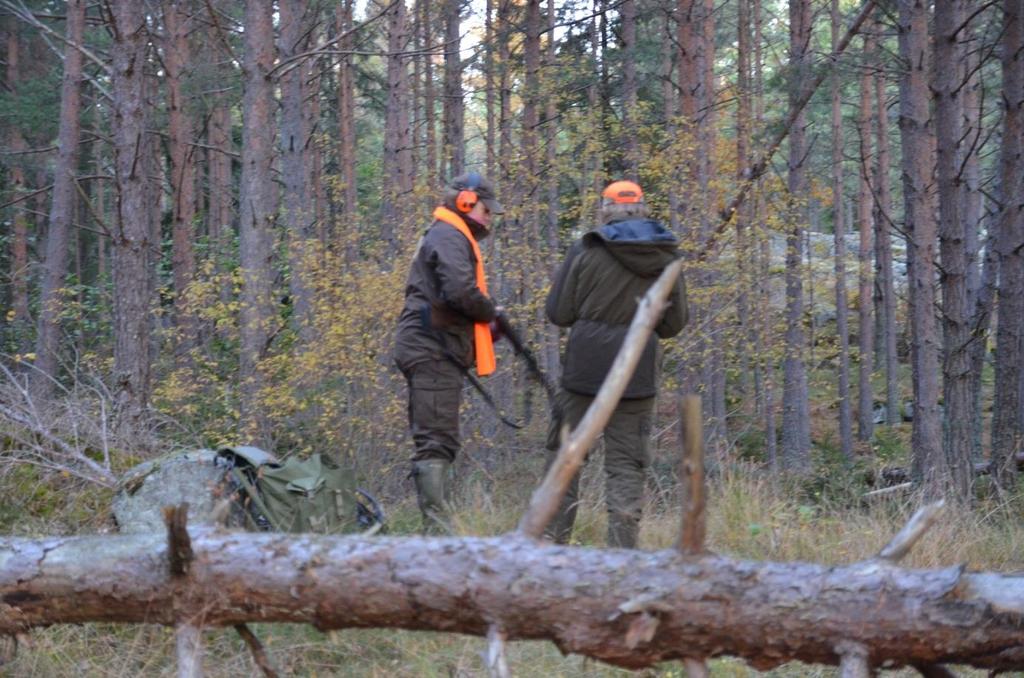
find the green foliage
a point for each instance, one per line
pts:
(34, 108)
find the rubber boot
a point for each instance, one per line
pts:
(559, 530)
(433, 494)
(623, 531)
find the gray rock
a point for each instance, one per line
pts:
(196, 477)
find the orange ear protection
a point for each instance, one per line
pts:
(467, 197)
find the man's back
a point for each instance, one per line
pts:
(596, 294)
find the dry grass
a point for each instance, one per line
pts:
(749, 517)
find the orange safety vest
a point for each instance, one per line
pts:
(484, 345)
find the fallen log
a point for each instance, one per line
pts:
(628, 608)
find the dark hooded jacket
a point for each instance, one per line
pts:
(442, 279)
(595, 293)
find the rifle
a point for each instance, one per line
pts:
(523, 351)
(427, 322)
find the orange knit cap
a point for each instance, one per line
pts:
(623, 192)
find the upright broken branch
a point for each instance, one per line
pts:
(691, 477)
(545, 499)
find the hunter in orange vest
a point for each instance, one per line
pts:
(443, 331)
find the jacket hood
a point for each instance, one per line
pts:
(643, 246)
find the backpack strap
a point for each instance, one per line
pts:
(254, 496)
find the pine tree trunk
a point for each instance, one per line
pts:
(489, 112)
(220, 220)
(745, 238)
(839, 231)
(19, 262)
(258, 201)
(552, 364)
(973, 217)
(1007, 433)
(865, 305)
(453, 97)
(62, 209)
(630, 142)
(624, 607)
(181, 143)
(918, 144)
(883, 250)
(957, 303)
(796, 431)
(133, 243)
(347, 134)
(397, 146)
(297, 200)
(429, 105)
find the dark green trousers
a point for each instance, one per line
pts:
(626, 458)
(435, 395)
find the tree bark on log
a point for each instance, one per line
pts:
(628, 608)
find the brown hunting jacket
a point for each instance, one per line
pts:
(595, 293)
(442, 279)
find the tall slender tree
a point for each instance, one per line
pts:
(19, 270)
(1008, 409)
(132, 242)
(957, 302)
(258, 201)
(397, 141)
(295, 144)
(453, 98)
(796, 426)
(839, 231)
(346, 124)
(886, 297)
(177, 55)
(631, 144)
(62, 208)
(918, 144)
(865, 302)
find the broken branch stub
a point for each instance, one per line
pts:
(691, 477)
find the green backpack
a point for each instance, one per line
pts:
(300, 495)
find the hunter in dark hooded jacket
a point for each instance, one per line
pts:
(595, 294)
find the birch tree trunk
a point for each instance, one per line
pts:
(918, 144)
(62, 208)
(257, 212)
